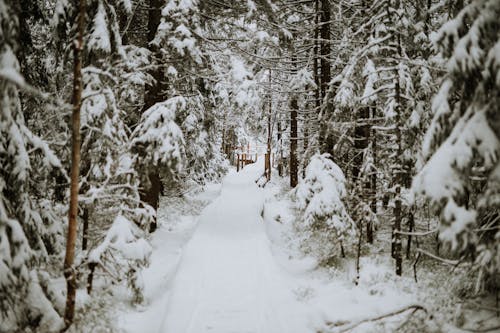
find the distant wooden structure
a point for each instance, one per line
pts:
(244, 156)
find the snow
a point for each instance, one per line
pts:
(230, 270)
(471, 136)
(50, 320)
(99, 38)
(371, 75)
(320, 195)
(239, 71)
(159, 131)
(127, 5)
(121, 237)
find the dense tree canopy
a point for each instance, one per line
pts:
(375, 110)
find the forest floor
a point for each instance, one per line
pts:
(227, 260)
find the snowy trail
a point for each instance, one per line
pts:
(227, 279)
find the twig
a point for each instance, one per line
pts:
(348, 327)
(415, 266)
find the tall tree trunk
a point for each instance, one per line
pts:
(280, 148)
(294, 106)
(293, 142)
(69, 270)
(398, 165)
(373, 178)
(151, 194)
(269, 135)
(326, 75)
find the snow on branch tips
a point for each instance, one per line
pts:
(320, 196)
(159, 136)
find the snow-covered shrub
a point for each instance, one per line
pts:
(462, 146)
(319, 198)
(126, 244)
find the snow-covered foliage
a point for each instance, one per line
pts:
(319, 196)
(159, 135)
(124, 250)
(462, 143)
(24, 234)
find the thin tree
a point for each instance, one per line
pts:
(69, 271)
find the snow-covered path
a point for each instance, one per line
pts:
(227, 279)
(226, 270)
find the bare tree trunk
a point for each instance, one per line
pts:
(280, 158)
(293, 143)
(411, 226)
(373, 179)
(326, 75)
(69, 270)
(87, 213)
(294, 105)
(398, 169)
(269, 136)
(327, 143)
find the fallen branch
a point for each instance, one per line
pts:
(443, 260)
(347, 327)
(488, 329)
(416, 233)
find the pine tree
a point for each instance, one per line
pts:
(23, 235)
(462, 142)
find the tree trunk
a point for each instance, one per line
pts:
(153, 95)
(269, 136)
(280, 158)
(327, 143)
(87, 213)
(69, 270)
(411, 226)
(373, 179)
(398, 169)
(326, 75)
(294, 105)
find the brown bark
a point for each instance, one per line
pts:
(69, 270)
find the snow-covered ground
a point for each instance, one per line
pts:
(236, 268)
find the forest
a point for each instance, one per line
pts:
(267, 166)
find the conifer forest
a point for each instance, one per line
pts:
(250, 166)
